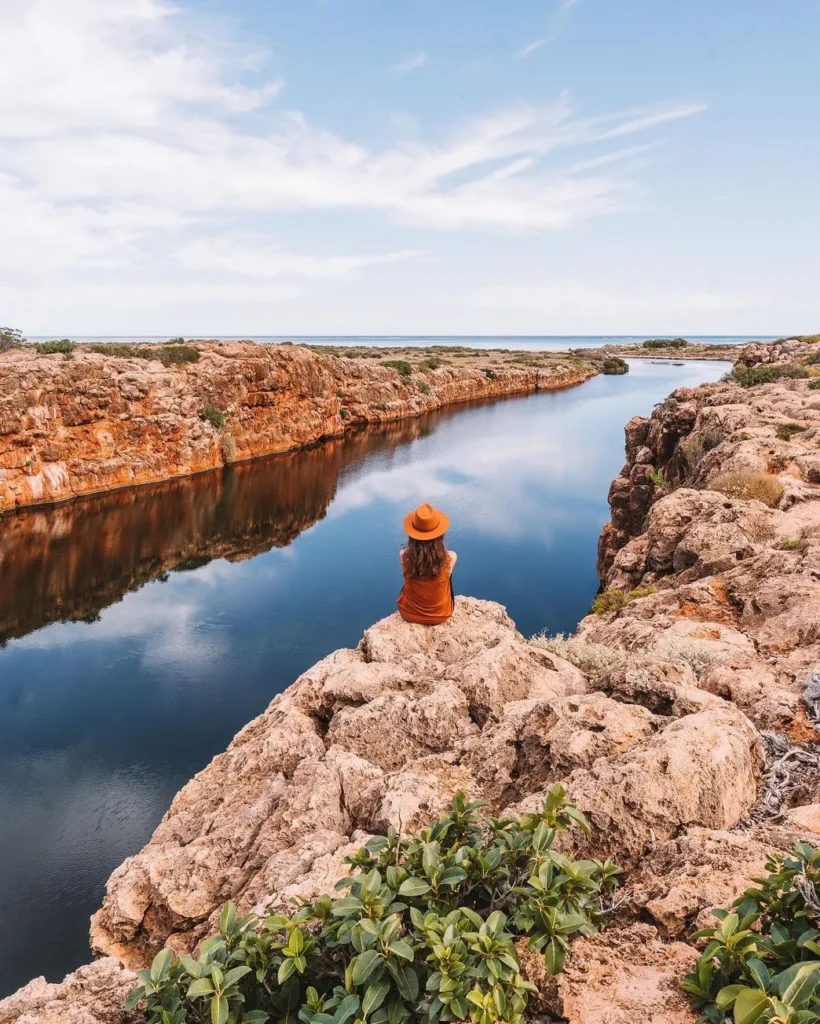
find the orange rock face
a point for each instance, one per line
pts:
(90, 422)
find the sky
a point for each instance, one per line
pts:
(277, 167)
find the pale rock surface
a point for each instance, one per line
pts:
(93, 994)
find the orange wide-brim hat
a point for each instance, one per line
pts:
(426, 523)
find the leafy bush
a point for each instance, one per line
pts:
(762, 962)
(174, 355)
(654, 343)
(814, 385)
(763, 487)
(658, 478)
(424, 931)
(424, 387)
(49, 348)
(489, 373)
(614, 366)
(751, 376)
(786, 431)
(213, 416)
(796, 544)
(10, 338)
(431, 363)
(402, 367)
(614, 600)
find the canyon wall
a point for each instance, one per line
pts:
(662, 716)
(86, 422)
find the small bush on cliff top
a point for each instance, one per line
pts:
(762, 962)
(751, 376)
(614, 600)
(763, 487)
(10, 338)
(167, 354)
(614, 366)
(814, 385)
(402, 367)
(654, 343)
(423, 930)
(50, 348)
(214, 416)
(786, 431)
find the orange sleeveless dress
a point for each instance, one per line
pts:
(427, 601)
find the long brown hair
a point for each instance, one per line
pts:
(425, 559)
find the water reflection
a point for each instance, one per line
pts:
(146, 627)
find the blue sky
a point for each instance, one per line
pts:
(418, 166)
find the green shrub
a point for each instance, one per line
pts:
(49, 348)
(402, 367)
(340, 393)
(814, 385)
(658, 478)
(431, 363)
(424, 387)
(176, 341)
(654, 343)
(765, 487)
(489, 373)
(344, 413)
(786, 431)
(422, 930)
(10, 338)
(615, 600)
(762, 962)
(213, 416)
(798, 544)
(174, 355)
(810, 338)
(614, 366)
(751, 376)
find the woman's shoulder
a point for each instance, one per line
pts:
(453, 558)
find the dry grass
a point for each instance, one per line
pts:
(594, 660)
(763, 487)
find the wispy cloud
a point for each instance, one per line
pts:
(128, 171)
(530, 48)
(410, 62)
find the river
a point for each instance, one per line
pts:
(140, 630)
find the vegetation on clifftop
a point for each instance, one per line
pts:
(762, 962)
(425, 930)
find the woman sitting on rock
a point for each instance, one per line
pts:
(427, 566)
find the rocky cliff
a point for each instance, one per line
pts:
(85, 421)
(671, 717)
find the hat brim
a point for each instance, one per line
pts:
(438, 531)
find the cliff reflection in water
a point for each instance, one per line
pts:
(66, 563)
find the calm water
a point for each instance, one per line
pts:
(509, 341)
(141, 630)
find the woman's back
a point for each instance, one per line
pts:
(427, 599)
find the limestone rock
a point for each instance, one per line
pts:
(93, 994)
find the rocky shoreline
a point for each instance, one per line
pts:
(662, 715)
(85, 421)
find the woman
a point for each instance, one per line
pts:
(427, 566)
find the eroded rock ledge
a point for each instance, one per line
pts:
(653, 716)
(87, 422)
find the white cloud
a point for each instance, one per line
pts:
(134, 155)
(530, 48)
(410, 62)
(608, 303)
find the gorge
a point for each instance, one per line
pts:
(655, 714)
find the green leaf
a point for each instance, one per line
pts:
(201, 987)
(727, 996)
(750, 1005)
(364, 965)
(255, 1017)
(346, 905)
(296, 941)
(161, 964)
(414, 887)
(235, 973)
(193, 967)
(219, 1010)
(796, 983)
(554, 958)
(227, 918)
(286, 968)
(452, 876)
(374, 996)
(346, 1009)
(134, 997)
(402, 949)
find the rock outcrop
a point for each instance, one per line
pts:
(86, 422)
(656, 715)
